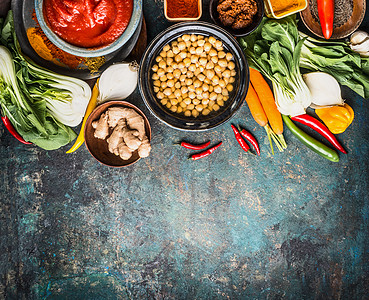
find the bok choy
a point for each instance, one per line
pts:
(40, 104)
(274, 50)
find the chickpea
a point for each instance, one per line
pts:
(160, 72)
(197, 83)
(183, 54)
(203, 61)
(205, 102)
(187, 62)
(215, 79)
(233, 73)
(209, 65)
(218, 68)
(192, 68)
(229, 56)
(174, 101)
(170, 53)
(194, 59)
(231, 65)
(177, 93)
(170, 76)
(205, 95)
(198, 91)
(182, 104)
(163, 54)
(189, 81)
(213, 96)
(192, 50)
(201, 42)
(196, 101)
(156, 83)
(184, 89)
(179, 109)
(225, 92)
(217, 89)
(160, 95)
(231, 79)
(163, 85)
(168, 104)
(192, 95)
(187, 101)
(205, 111)
(216, 107)
(174, 65)
(156, 89)
(222, 63)
(222, 83)
(194, 44)
(226, 74)
(190, 74)
(173, 108)
(214, 59)
(211, 104)
(158, 58)
(190, 106)
(220, 102)
(211, 88)
(182, 78)
(188, 44)
(155, 68)
(181, 65)
(207, 81)
(218, 45)
(177, 73)
(155, 76)
(195, 113)
(163, 78)
(181, 46)
(175, 50)
(212, 40)
(207, 47)
(164, 101)
(210, 74)
(177, 85)
(229, 87)
(169, 69)
(193, 37)
(201, 77)
(225, 98)
(167, 91)
(197, 72)
(186, 37)
(177, 58)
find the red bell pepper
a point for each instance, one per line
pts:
(326, 15)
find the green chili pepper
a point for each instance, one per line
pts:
(310, 142)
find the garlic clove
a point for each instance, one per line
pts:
(358, 37)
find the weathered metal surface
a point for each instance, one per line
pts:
(230, 226)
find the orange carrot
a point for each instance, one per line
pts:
(258, 113)
(267, 101)
(255, 106)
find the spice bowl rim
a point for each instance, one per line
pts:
(237, 32)
(180, 122)
(134, 24)
(106, 155)
(182, 19)
(269, 10)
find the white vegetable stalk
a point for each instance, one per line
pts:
(118, 81)
(324, 89)
(359, 42)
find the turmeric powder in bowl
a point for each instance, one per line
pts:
(282, 8)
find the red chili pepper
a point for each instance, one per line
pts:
(320, 128)
(12, 130)
(240, 140)
(194, 147)
(326, 15)
(205, 153)
(249, 137)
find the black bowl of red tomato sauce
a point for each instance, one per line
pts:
(90, 30)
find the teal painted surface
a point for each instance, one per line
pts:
(230, 226)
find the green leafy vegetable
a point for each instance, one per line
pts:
(337, 59)
(40, 104)
(274, 50)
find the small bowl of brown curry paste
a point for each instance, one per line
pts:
(238, 17)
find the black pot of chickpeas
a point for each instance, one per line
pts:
(193, 76)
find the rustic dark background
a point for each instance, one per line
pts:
(231, 226)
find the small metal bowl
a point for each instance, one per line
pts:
(237, 32)
(179, 121)
(346, 24)
(124, 39)
(98, 147)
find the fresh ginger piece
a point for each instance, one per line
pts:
(124, 152)
(101, 127)
(133, 119)
(145, 147)
(116, 138)
(131, 138)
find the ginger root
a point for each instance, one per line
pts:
(128, 132)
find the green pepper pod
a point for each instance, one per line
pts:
(310, 142)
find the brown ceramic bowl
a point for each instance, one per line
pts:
(98, 147)
(347, 19)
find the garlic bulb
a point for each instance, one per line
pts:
(118, 81)
(359, 42)
(324, 88)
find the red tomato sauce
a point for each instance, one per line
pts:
(88, 23)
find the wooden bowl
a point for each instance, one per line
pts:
(98, 147)
(346, 20)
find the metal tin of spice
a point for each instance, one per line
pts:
(279, 9)
(182, 10)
